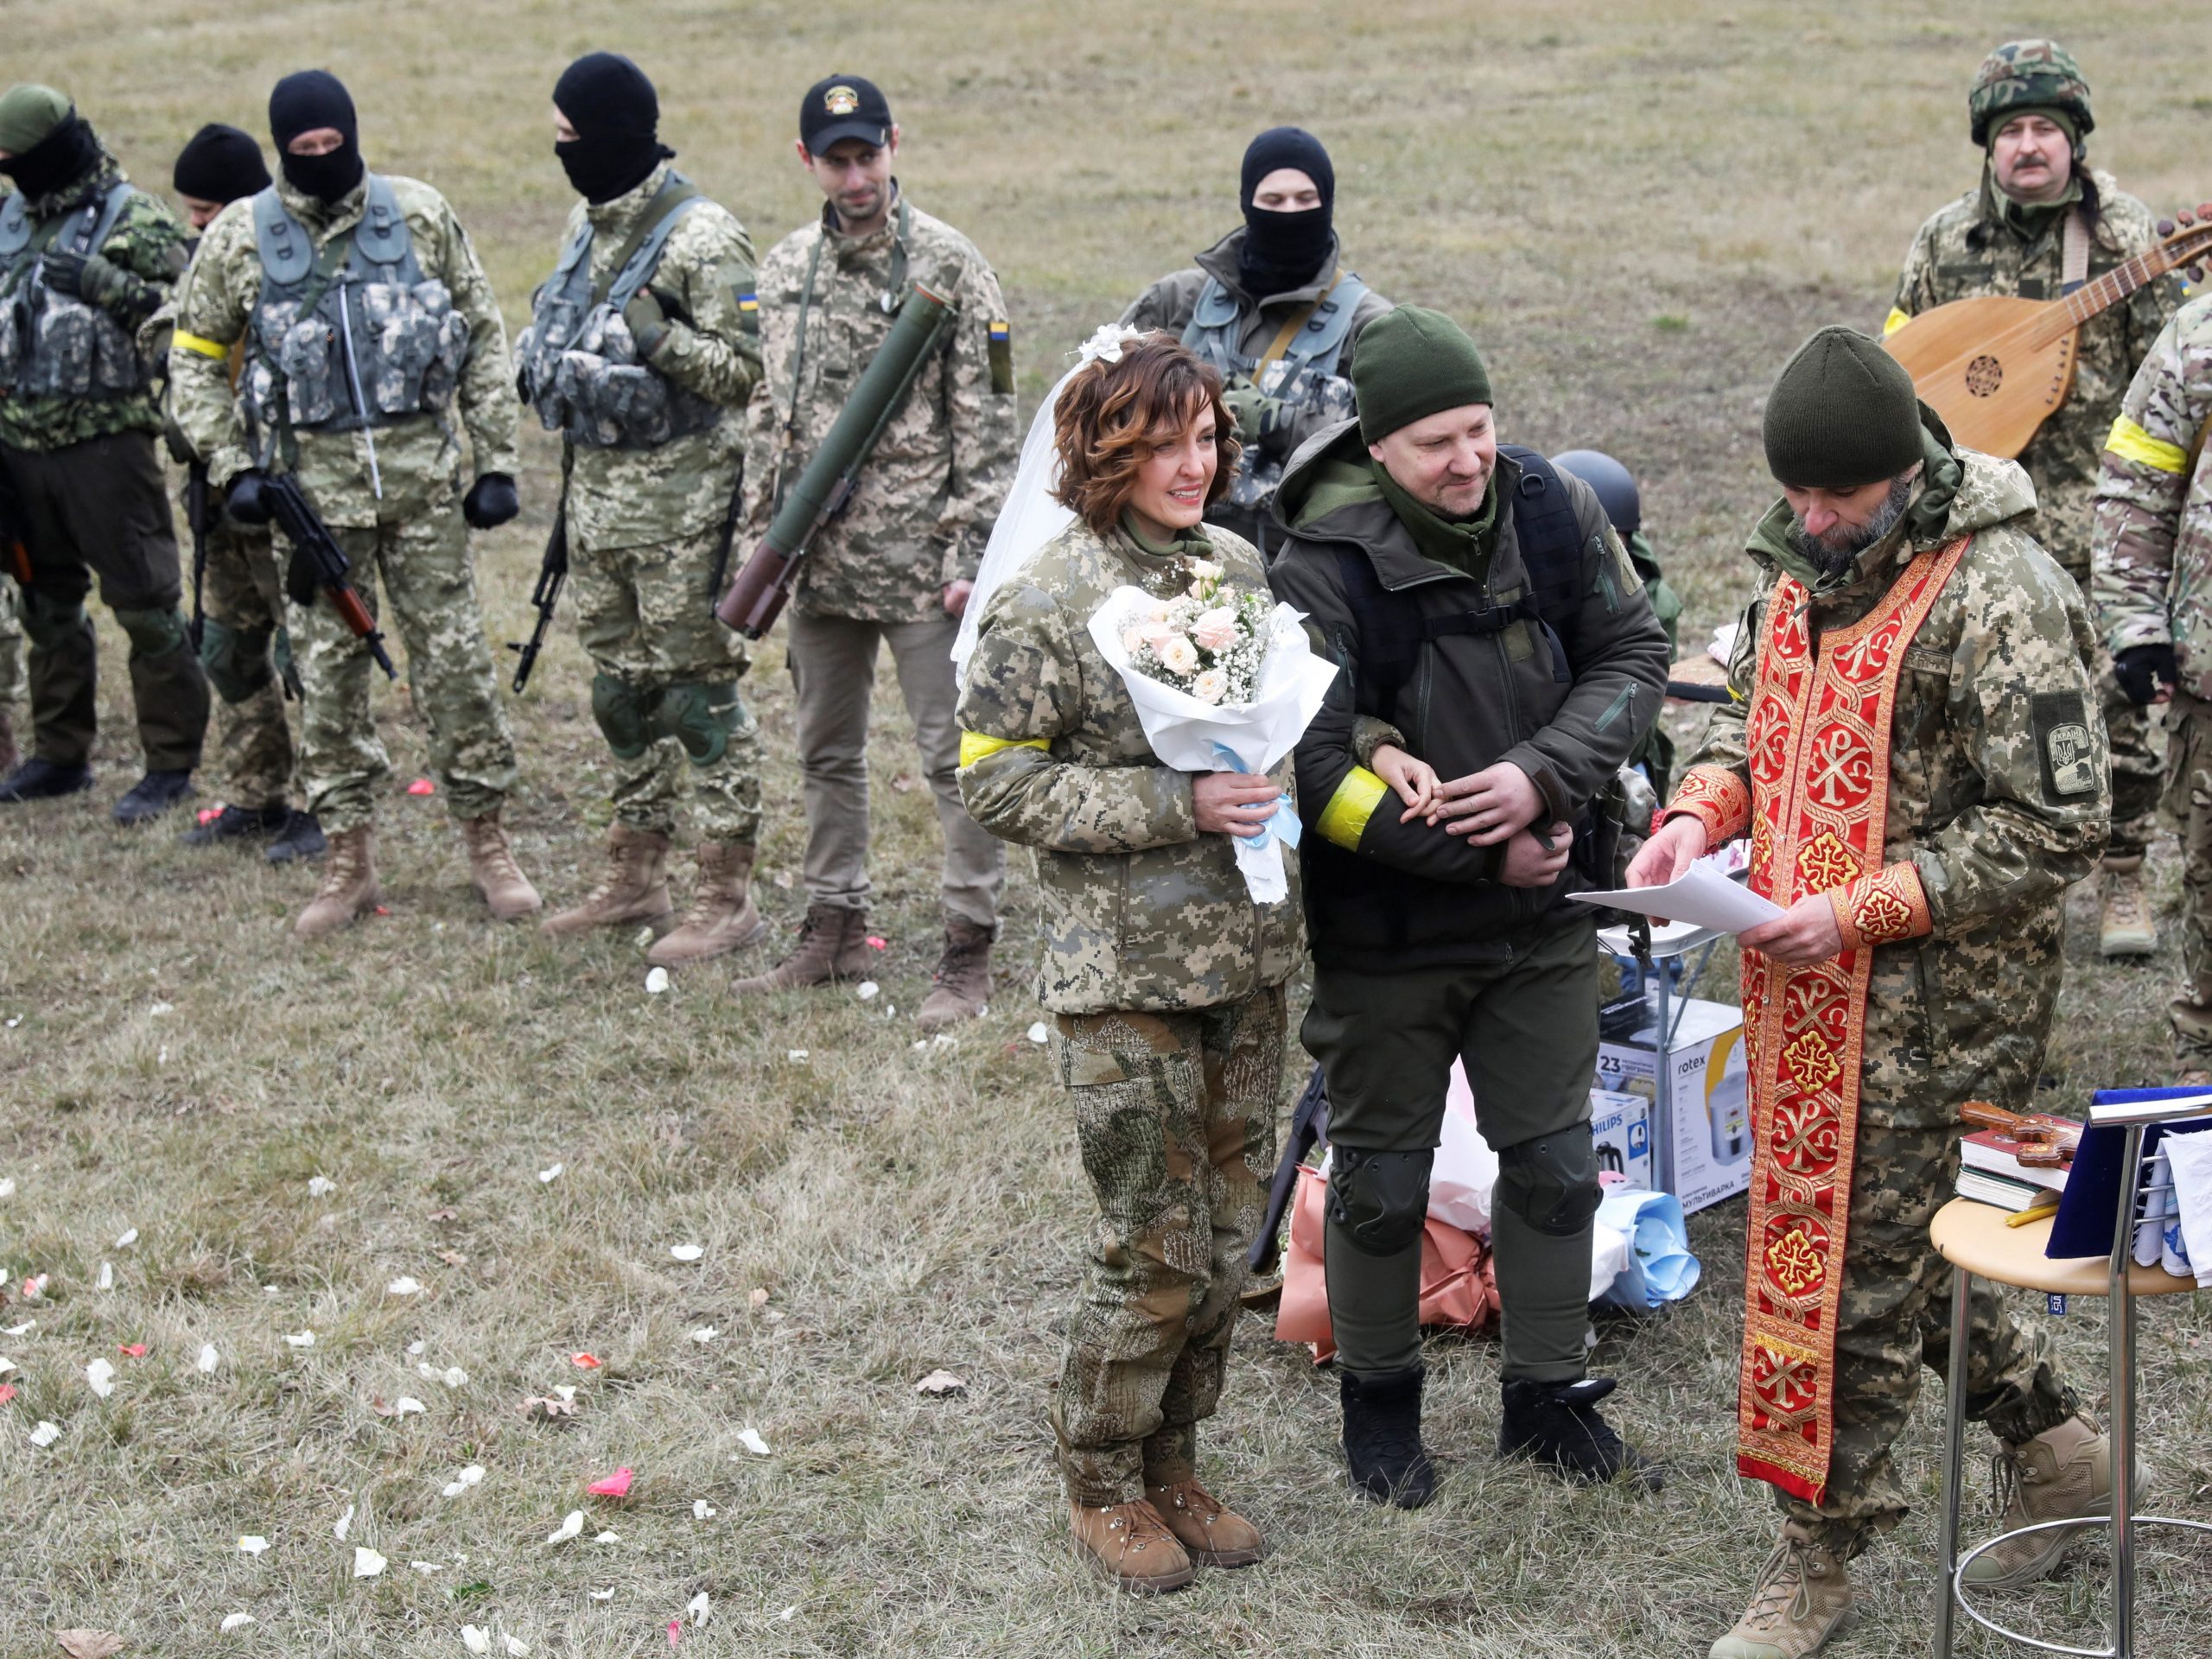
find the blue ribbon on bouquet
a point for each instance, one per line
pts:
(1281, 824)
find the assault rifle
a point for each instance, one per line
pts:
(319, 562)
(552, 572)
(1309, 1127)
(197, 520)
(14, 542)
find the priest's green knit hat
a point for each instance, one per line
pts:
(1409, 364)
(1843, 413)
(30, 112)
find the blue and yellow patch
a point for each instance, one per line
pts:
(1000, 348)
(748, 302)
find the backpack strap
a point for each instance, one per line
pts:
(1210, 332)
(1550, 539)
(1328, 326)
(635, 259)
(94, 236)
(14, 225)
(381, 237)
(1389, 627)
(287, 252)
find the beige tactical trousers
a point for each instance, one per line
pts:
(832, 661)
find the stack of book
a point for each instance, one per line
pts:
(1992, 1170)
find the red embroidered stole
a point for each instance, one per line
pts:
(1819, 738)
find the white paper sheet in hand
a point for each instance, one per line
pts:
(1700, 894)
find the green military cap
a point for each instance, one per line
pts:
(30, 112)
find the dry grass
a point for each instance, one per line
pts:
(1640, 210)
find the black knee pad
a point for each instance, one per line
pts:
(154, 633)
(47, 622)
(1551, 1182)
(702, 718)
(237, 660)
(1379, 1200)
(623, 714)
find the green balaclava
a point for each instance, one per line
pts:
(1842, 413)
(1410, 364)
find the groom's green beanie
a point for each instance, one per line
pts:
(1409, 364)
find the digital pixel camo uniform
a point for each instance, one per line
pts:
(922, 506)
(2154, 585)
(1969, 249)
(413, 536)
(1998, 799)
(1166, 982)
(646, 526)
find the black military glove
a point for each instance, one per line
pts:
(648, 322)
(244, 502)
(90, 277)
(2140, 668)
(491, 501)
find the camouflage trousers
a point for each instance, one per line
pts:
(1895, 1318)
(2138, 772)
(2189, 799)
(12, 689)
(244, 649)
(431, 587)
(1175, 1114)
(646, 618)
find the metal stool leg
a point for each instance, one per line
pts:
(2119, 1311)
(1954, 1434)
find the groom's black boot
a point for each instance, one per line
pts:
(1558, 1424)
(1382, 1438)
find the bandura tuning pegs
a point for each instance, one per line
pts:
(2196, 273)
(2204, 210)
(2165, 227)
(2186, 218)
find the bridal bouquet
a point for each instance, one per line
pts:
(1223, 681)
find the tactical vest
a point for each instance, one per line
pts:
(354, 336)
(1300, 372)
(576, 363)
(53, 345)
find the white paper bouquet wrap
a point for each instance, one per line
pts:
(1191, 735)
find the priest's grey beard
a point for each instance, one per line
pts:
(1832, 551)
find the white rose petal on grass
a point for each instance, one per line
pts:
(941, 1383)
(107, 1277)
(129, 1237)
(454, 1377)
(704, 1334)
(253, 1544)
(867, 989)
(404, 1285)
(22, 1330)
(702, 1511)
(476, 1638)
(1038, 1034)
(552, 1172)
(601, 1595)
(415, 1351)
(460, 1483)
(320, 1186)
(300, 1339)
(749, 1438)
(101, 1376)
(209, 1359)
(428, 1567)
(608, 1538)
(235, 1622)
(46, 1433)
(8, 1182)
(406, 1405)
(367, 1564)
(517, 1647)
(686, 1252)
(571, 1524)
(797, 1056)
(700, 1608)
(6, 1364)
(345, 1524)
(656, 981)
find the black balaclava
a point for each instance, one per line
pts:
(58, 160)
(302, 103)
(220, 164)
(616, 114)
(1285, 250)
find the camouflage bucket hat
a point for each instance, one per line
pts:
(2028, 75)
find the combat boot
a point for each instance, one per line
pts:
(492, 872)
(301, 841)
(2127, 926)
(722, 918)
(1210, 1531)
(238, 823)
(633, 889)
(44, 780)
(1558, 1424)
(1131, 1545)
(2062, 1473)
(832, 946)
(7, 755)
(1803, 1598)
(961, 987)
(1381, 1437)
(349, 889)
(151, 796)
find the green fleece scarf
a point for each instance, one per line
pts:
(1922, 526)
(1466, 545)
(1190, 545)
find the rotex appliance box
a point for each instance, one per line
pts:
(1702, 1132)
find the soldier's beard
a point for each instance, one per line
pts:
(1832, 551)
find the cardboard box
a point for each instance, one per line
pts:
(1621, 1126)
(1701, 1143)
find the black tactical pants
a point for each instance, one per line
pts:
(1527, 1030)
(98, 509)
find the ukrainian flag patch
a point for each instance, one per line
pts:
(1002, 351)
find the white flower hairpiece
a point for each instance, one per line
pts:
(1105, 346)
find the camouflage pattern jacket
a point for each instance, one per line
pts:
(2154, 505)
(1992, 797)
(634, 498)
(1141, 911)
(1969, 249)
(418, 460)
(149, 243)
(922, 506)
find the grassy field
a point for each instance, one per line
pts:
(1640, 208)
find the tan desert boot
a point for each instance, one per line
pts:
(721, 917)
(1131, 1545)
(634, 887)
(832, 946)
(1209, 1531)
(2062, 1473)
(2128, 927)
(499, 880)
(961, 987)
(1802, 1599)
(349, 889)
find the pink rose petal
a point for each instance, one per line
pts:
(132, 1349)
(675, 1631)
(421, 786)
(614, 1485)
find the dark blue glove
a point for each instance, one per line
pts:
(2140, 668)
(491, 501)
(244, 502)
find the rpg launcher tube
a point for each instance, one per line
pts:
(757, 597)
